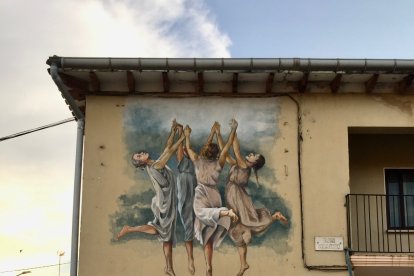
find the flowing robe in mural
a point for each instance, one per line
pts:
(207, 204)
(186, 182)
(164, 203)
(251, 220)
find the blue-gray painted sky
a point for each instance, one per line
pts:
(319, 28)
(149, 120)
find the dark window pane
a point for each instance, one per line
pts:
(394, 211)
(400, 195)
(408, 190)
(393, 190)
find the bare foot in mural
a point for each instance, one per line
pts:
(243, 269)
(279, 216)
(191, 267)
(209, 271)
(169, 271)
(147, 229)
(190, 256)
(123, 231)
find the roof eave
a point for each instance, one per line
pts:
(236, 64)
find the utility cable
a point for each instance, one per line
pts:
(32, 268)
(35, 129)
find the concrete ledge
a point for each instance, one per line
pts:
(383, 260)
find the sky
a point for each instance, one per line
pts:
(37, 170)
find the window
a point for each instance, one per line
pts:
(400, 198)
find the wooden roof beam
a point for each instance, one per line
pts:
(335, 83)
(371, 83)
(130, 81)
(165, 82)
(405, 83)
(269, 82)
(200, 82)
(235, 83)
(303, 83)
(77, 94)
(94, 82)
(73, 82)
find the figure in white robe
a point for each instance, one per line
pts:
(209, 226)
(164, 203)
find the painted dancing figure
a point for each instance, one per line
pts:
(212, 219)
(252, 221)
(164, 203)
(186, 183)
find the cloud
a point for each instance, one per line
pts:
(175, 28)
(38, 168)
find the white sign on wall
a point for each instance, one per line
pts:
(329, 243)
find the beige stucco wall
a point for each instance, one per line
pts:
(325, 179)
(326, 119)
(370, 154)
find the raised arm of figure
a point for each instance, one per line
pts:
(191, 153)
(162, 161)
(239, 158)
(211, 136)
(223, 153)
(180, 150)
(170, 139)
(229, 159)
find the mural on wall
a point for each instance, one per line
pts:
(198, 156)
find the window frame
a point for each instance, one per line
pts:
(402, 206)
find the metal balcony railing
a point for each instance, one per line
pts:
(380, 223)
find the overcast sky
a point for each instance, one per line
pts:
(36, 171)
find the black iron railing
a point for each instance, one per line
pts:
(380, 223)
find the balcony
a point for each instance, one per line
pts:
(380, 223)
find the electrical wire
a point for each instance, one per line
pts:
(18, 134)
(35, 129)
(32, 268)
